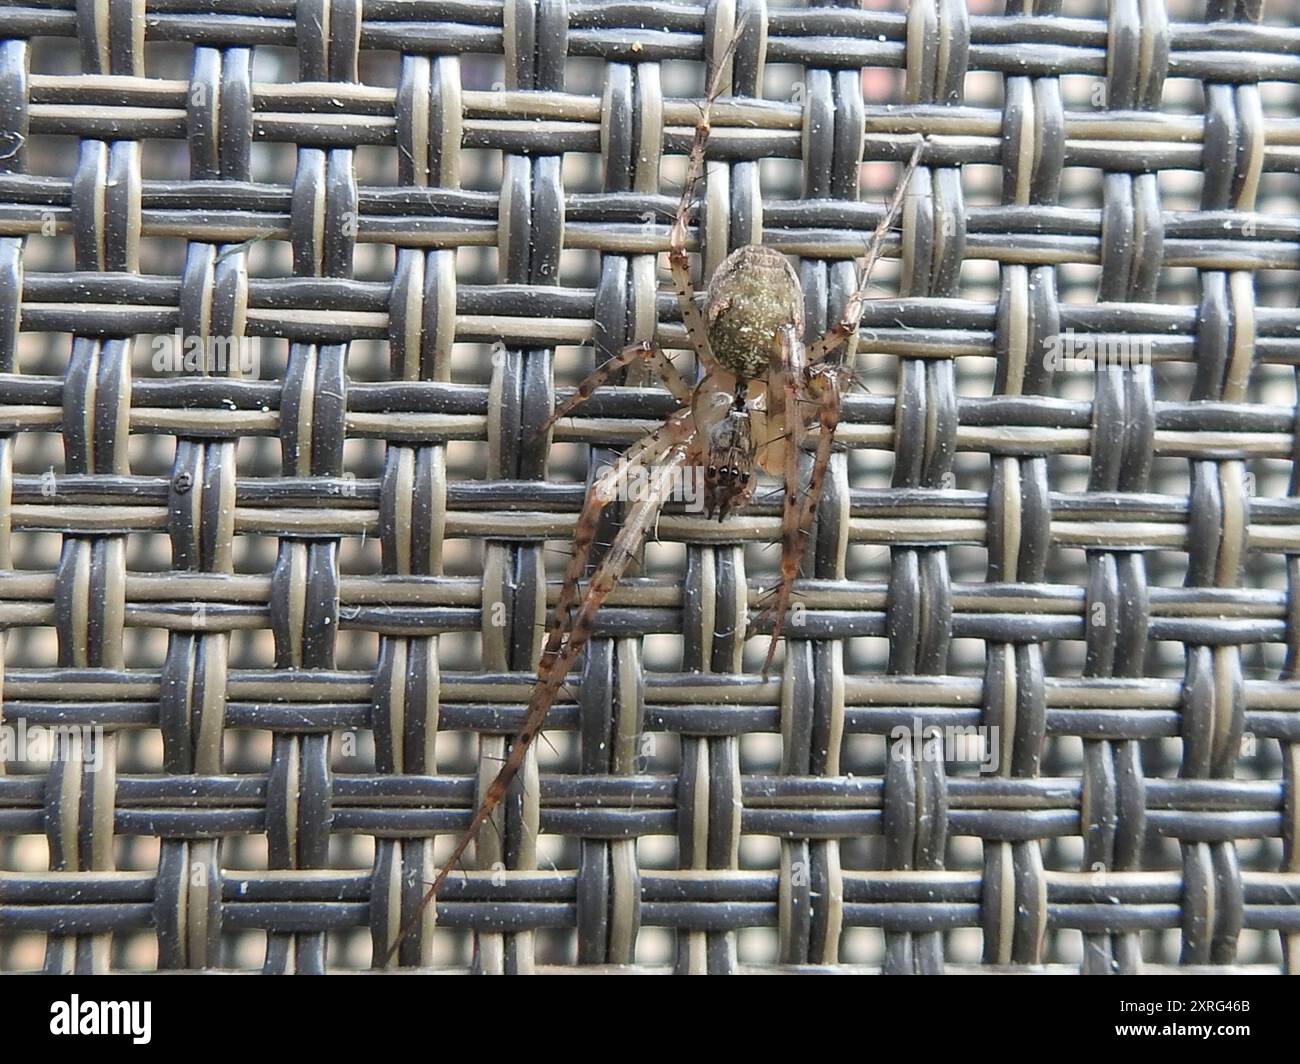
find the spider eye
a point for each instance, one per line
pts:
(744, 478)
(713, 471)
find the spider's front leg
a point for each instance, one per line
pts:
(552, 673)
(798, 384)
(603, 491)
(680, 264)
(852, 317)
(645, 350)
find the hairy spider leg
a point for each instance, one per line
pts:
(551, 676)
(692, 317)
(825, 385)
(848, 324)
(604, 490)
(786, 378)
(646, 350)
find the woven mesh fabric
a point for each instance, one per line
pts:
(288, 286)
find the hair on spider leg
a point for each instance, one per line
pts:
(460, 867)
(769, 592)
(491, 757)
(677, 187)
(894, 224)
(243, 245)
(501, 838)
(661, 210)
(855, 379)
(715, 87)
(542, 736)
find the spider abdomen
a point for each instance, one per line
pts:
(753, 294)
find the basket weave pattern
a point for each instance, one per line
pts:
(287, 611)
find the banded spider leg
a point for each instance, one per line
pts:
(799, 376)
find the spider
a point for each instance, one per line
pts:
(748, 412)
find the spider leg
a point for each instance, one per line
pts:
(604, 490)
(692, 316)
(640, 520)
(848, 324)
(645, 350)
(552, 674)
(797, 512)
(784, 377)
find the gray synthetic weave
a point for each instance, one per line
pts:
(282, 588)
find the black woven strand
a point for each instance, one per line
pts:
(287, 289)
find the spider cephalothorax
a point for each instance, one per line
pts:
(760, 393)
